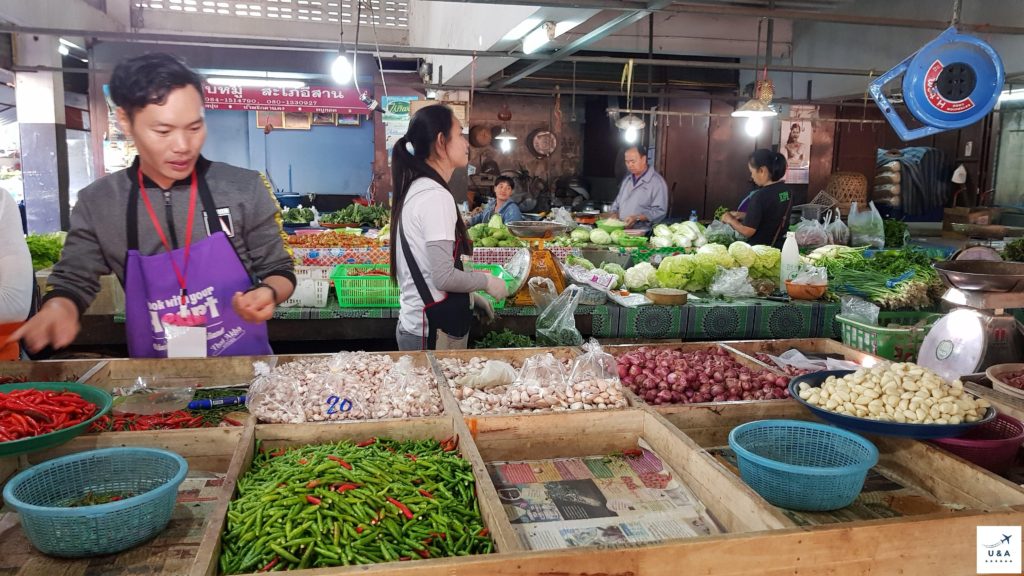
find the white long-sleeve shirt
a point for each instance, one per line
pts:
(16, 277)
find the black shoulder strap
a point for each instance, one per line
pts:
(784, 220)
(414, 269)
(206, 197)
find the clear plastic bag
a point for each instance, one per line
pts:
(811, 234)
(594, 364)
(563, 216)
(719, 232)
(866, 227)
(838, 230)
(271, 401)
(860, 310)
(732, 283)
(406, 392)
(543, 292)
(812, 275)
(495, 373)
(556, 325)
(152, 396)
(795, 359)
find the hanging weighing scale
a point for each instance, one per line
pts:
(542, 261)
(951, 82)
(978, 332)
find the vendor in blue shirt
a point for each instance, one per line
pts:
(501, 204)
(643, 196)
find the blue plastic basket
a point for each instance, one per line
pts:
(802, 465)
(42, 495)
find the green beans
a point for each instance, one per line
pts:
(340, 504)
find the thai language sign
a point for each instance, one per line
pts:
(310, 99)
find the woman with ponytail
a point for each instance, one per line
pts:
(763, 214)
(428, 238)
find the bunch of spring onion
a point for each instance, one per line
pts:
(894, 280)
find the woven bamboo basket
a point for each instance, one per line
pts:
(846, 188)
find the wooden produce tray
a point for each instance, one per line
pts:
(809, 346)
(209, 453)
(275, 436)
(50, 370)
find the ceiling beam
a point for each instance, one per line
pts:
(617, 23)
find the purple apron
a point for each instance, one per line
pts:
(212, 275)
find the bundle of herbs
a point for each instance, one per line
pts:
(894, 280)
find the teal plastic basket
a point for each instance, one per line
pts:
(802, 465)
(42, 495)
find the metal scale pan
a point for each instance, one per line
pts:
(983, 276)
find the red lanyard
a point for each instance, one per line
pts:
(163, 237)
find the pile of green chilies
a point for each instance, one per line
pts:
(353, 503)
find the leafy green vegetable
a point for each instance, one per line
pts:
(573, 260)
(893, 279)
(687, 271)
(617, 270)
(641, 277)
(300, 215)
(580, 235)
(375, 215)
(45, 249)
(742, 253)
(599, 236)
(504, 339)
(1015, 250)
(895, 233)
(720, 211)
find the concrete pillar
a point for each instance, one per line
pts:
(44, 151)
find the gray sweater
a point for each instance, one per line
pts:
(97, 242)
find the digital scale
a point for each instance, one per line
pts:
(542, 261)
(978, 332)
(951, 82)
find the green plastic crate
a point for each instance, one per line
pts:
(500, 272)
(364, 291)
(900, 344)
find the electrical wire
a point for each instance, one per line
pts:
(355, 49)
(376, 45)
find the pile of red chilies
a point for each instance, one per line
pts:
(28, 412)
(177, 420)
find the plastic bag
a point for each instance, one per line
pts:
(794, 358)
(719, 232)
(811, 234)
(866, 227)
(495, 373)
(732, 283)
(519, 267)
(540, 385)
(812, 275)
(860, 310)
(562, 215)
(152, 396)
(406, 392)
(269, 401)
(838, 230)
(542, 290)
(594, 364)
(556, 325)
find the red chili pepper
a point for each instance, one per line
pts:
(346, 487)
(341, 462)
(411, 457)
(271, 564)
(404, 559)
(441, 535)
(484, 531)
(303, 461)
(368, 442)
(359, 529)
(276, 453)
(427, 494)
(423, 553)
(402, 507)
(232, 421)
(312, 484)
(312, 500)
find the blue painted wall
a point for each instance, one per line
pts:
(323, 159)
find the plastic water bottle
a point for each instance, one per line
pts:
(693, 215)
(790, 260)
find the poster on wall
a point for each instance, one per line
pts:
(349, 119)
(324, 119)
(795, 143)
(397, 108)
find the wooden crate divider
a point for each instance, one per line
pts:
(807, 345)
(51, 370)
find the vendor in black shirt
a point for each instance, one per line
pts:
(763, 215)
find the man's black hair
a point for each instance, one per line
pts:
(148, 79)
(640, 149)
(507, 180)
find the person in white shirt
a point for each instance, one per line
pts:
(428, 238)
(643, 195)
(16, 277)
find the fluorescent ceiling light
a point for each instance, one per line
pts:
(63, 50)
(255, 74)
(256, 82)
(539, 37)
(522, 29)
(1013, 96)
(70, 44)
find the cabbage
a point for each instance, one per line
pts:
(573, 260)
(599, 236)
(661, 241)
(641, 277)
(617, 270)
(742, 253)
(580, 235)
(681, 241)
(718, 254)
(495, 223)
(768, 263)
(700, 242)
(686, 272)
(663, 231)
(617, 235)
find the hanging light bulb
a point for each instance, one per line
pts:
(341, 69)
(631, 134)
(754, 126)
(505, 139)
(506, 146)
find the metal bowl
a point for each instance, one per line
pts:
(528, 229)
(983, 275)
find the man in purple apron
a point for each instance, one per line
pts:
(197, 245)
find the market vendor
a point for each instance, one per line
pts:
(16, 278)
(764, 213)
(502, 205)
(428, 238)
(642, 201)
(197, 245)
